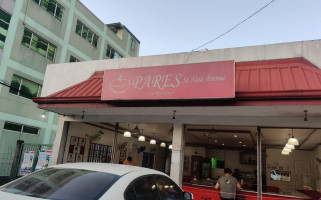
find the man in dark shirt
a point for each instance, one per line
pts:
(227, 185)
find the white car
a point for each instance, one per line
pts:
(93, 181)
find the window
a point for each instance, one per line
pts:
(21, 128)
(63, 184)
(112, 53)
(86, 33)
(73, 59)
(52, 7)
(145, 188)
(4, 25)
(168, 189)
(25, 88)
(38, 44)
(132, 44)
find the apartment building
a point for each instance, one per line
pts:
(33, 34)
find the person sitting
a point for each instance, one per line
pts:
(129, 161)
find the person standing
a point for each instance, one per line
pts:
(227, 185)
(129, 161)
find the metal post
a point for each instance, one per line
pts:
(114, 144)
(259, 165)
(16, 160)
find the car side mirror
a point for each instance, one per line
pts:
(188, 196)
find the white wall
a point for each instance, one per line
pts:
(287, 163)
(193, 151)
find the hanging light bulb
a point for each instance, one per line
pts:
(141, 138)
(136, 130)
(43, 115)
(163, 144)
(152, 141)
(285, 152)
(127, 133)
(170, 146)
(293, 140)
(289, 146)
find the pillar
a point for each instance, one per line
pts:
(59, 146)
(177, 160)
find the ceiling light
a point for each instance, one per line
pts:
(293, 140)
(141, 138)
(152, 141)
(127, 133)
(240, 142)
(288, 150)
(43, 115)
(136, 130)
(289, 146)
(170, 146)
(215, 141)
(244, 145)
(235, 135)
(285, 152)
(163, 144)
(223, 144)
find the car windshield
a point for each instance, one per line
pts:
(63, 184)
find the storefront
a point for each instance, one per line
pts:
(231, 108)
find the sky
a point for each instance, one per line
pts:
(174, 26)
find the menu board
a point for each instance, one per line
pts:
(99, 153)
(76, 149)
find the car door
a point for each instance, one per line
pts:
(168, 190)
(143, 188)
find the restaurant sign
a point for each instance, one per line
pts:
(187, 81)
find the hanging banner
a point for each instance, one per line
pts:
(186, 81)
(43, 159)
(27, 162)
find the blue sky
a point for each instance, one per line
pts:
(174, 26)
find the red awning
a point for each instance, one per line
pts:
(284, 79)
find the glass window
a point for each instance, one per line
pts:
(112, 53)
(4, 25)
(51, 6)
(24, 87)
(168, 189)
(130, 193)
(86, 33)
(132, 44)
(63, 184)
(26, 38)
(73, 59)
(12, 126)
(30, 130)
(146, 188)
(15, 84)
(38, 44)
(79, 28)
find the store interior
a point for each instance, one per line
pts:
(208, 150)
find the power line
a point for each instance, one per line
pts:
(234, 26)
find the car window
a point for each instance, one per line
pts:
(168, 190)
(145, 188)
(63, 184)
(130, 193)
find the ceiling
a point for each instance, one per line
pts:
(229, 137)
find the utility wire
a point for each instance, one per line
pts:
(235, 26)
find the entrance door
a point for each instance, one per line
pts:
(148, 160)
(302, 174)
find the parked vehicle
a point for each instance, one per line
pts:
(93, 181)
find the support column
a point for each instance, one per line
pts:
(59, 146)
(259, 165)
(178, 142)
(114, 144)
